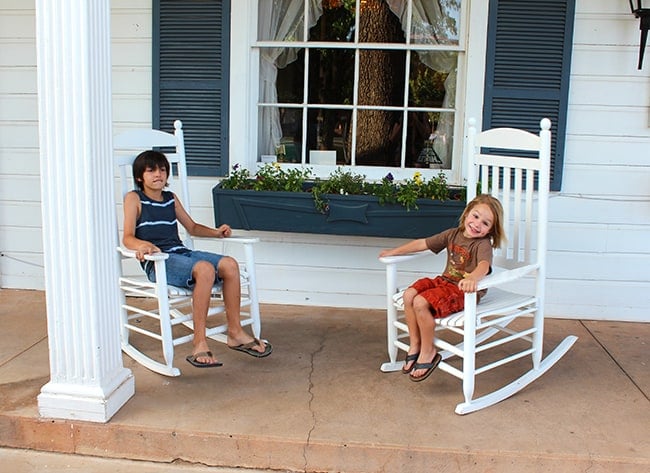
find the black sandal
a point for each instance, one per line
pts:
(408, 359)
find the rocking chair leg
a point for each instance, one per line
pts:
(391, 318)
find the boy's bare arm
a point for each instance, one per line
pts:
(198, 229)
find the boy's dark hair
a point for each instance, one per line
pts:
(148, 159)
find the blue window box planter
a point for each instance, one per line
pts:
(345, 215)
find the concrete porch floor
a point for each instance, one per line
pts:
(320, 403)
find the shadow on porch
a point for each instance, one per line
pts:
(320, 403)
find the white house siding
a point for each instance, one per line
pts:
(20, 213)
(600, 221)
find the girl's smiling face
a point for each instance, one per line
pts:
(478, 222)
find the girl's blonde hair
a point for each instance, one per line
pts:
(497, 233)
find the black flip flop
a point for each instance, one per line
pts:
(413, 357)
(429, 367)
(248, 348)
(192, 360)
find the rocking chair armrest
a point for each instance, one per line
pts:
(506, 276)
(233, 239)
(131, 254)
(402, 258)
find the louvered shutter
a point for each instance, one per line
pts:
(190, 78)
(528, 65)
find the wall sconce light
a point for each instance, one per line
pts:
(643, 14)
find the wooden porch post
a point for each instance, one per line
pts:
(87, 378)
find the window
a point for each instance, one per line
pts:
(340, 78)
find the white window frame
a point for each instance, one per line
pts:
(244, 91)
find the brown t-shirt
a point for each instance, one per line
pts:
(463, 254)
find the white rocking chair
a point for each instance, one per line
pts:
(511, 177)
(172, 305)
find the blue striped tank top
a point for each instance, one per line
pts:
(157, 223)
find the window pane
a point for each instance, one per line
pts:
(431, 82)
(428, 139)
(435, 22)
(329, 130)
(331, 76)
(375, 130)
(290, 145)
(443, 136)
(378, 24)
(381, 77)
(281, 20)
(337, 22)
(290, 80)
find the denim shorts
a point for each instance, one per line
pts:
(179, 267)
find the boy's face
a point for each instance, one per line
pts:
(478, 222)
(154, 178)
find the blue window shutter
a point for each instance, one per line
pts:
(190, 78)
(528, 69)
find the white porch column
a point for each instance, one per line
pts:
(87, 378)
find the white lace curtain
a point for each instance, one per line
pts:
(279, 20)
(282, 20)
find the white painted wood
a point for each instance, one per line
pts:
(19, 188)
(87, 379)
(21, 214)
(16, 23)
(19, 107)
(605, 60)
(604, 92)
(19, 134)
(604, 150)
(594, 208)
(21, 240)
(18, 81)
(130, 81)
(17, 53)
(596, 120)
(19, 161)
(629, 181)
(607, 29)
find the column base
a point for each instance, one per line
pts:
(87, 403)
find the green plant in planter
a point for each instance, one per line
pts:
(409, 191)
(238, 179)
(386, 190)
(339, 182)
(273, 177)
(270, 177)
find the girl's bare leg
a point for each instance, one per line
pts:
(427, 326)
(412, 324)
